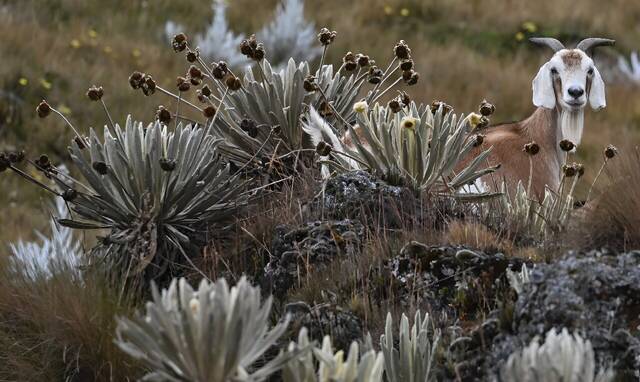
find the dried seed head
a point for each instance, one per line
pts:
(610, 151)
(579, 169)
(250, 127)
(478, 139)
(414, 79)
(167, 164)
(325, 109)
(258, 53)
(95, 93)
(80, 142)
(43, 162)
(194, 72)
(233, 83)
(16, 156)
(484, 122)
(326, 36)
(486, 108)
(182, 84)
(179, 42)
(350, 66)
(245, 48)
(406, 64)
(405, 99)
(531, 148)
(69, 194)
(163, 115)
(406, 75)
(323, 148)
(43, 109)
(568, 170)
(402, 51)
(375, 75)
(360, 107)
(349, 57)
(192, 56)
(148, 86)
(206, 91)
(220, 70)
(100, 167)
(309, 83)
(363, 60)
(136, 79)
(195, 81)
(394, 106)
(209, 112)
(409, 123)
(566, 145)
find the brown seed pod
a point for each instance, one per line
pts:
(100, 167)
(402, 51)
(194, 72)
(179, 42)
(568, 170)
(220, 70)
(566, 145)
(192, 56)
(435, 105)
(209, 112)
(206, 91)
(486, 108)
(405, 99)
(69, 194)
(531, 148)
(323, 148)
(478, 139)
(95, 93)
(43, 109)
(163, 115)
(406, 75)
(394, 106)
(309, 84)
(363, 60)
(136, 79)
(326, 37)
(610, 151)
(406, 64)
(182, 84)
(350, 66)
(484, 122)
(414, 79)
(233, 83)
(258, 53)
(167, 164)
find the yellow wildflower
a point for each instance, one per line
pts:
(529, 26)
(92, 33)
(23, 81)
(136, 53)
(409, 122)
(519, 36)
(388, 10)
(75, 43)
(474, 119)
(404, 12)
(45, 84)
(360, 107)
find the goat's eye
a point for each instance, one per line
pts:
(590, 71)
(554, 71)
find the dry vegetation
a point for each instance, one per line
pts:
(465, 51)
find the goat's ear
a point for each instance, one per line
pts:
(597, 99)
(543, 94)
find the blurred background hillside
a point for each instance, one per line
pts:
(465, 50)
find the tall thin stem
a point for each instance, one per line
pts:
(104, 106)
(178, 98)
(604, 164)
(68, 123)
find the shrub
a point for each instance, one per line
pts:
(561, 358)
(413, 359)
(332, 366)
(61, 249)
(205, 335)
(416, 148)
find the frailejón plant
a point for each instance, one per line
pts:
(412, 360)
(561, 358)
(212, 334)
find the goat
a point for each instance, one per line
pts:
(561, 90)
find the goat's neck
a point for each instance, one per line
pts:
(549, 126)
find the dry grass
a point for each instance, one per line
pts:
(465, 51)
(60, 329)
(613, 220)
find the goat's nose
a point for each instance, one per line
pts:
(575, 91)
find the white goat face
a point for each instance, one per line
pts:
(569, 79)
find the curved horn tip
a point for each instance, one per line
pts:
(588, 44)
(549, 42)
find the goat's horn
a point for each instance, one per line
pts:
(588, 44)
(548, 41)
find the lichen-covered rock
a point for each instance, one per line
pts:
(325, 319)
(596, 294)
(296, 250)
(360, 195)
(445, 279)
